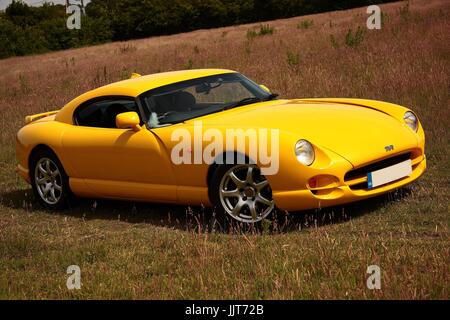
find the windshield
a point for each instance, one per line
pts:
(197, 97)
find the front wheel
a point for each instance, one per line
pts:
(242, 193)
(49, 180)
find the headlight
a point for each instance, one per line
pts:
(411, 120)
(304, 151)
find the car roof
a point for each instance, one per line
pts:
(134, 87)
(141, 84)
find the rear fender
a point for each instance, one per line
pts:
(49, 134)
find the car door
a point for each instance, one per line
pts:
(117, 163)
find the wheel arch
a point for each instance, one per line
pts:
(219, 161)
(36, 149)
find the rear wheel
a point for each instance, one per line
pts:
(49, 180)
(242, 193)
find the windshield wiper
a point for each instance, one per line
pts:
(249, 100)
(271, 96)
(242, 102)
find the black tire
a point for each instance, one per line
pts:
(225, 219)
(62, 198)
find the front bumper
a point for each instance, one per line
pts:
(296, 200)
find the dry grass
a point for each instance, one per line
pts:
(156, 251)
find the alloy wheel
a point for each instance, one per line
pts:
(245, 194)
(48, 181)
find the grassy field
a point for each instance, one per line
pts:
(128, 250)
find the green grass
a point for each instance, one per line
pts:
(138, 251)
(149, 251)
(305, 24)
(264, 29)
(354, 39)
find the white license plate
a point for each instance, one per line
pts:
(389, 174)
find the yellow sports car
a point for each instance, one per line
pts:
(216, 138)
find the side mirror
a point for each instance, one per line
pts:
(128, 120)
(265, 88)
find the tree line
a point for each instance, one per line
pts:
(29, 30)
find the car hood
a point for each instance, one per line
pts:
(358, 133)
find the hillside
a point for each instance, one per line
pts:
(128, 250)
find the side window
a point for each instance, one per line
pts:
(102, 113)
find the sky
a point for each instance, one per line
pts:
(5, 3)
